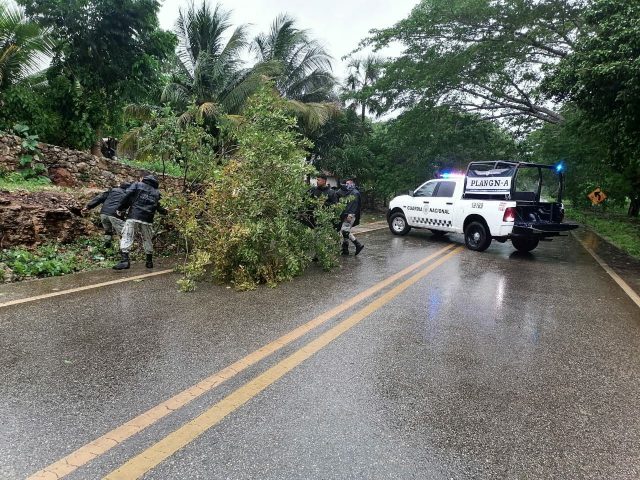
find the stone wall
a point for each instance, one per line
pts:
(32, 218)
(73, 168)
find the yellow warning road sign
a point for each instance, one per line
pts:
(597, 196)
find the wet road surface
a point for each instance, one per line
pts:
(492, 365)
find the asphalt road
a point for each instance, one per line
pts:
(465, 365)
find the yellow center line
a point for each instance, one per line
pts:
(157, 453)
(106, 442)
(82, 289)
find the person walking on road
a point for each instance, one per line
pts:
(143, 200)
(350, 217)
(112, 222)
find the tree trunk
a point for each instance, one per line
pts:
(96, 148)
(634, 207)
(363, 112)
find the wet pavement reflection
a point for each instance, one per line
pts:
(495, 365)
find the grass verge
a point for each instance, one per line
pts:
(170, 168)
(371, 217)
(14, 181)
(55, 259)
(617, 228)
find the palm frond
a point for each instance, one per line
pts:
(129, 143)
(141, 112)
(24, 46)
(313, 115)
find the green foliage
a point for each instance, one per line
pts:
(46, 262)
(84, 254)
(602, 78)
(52, 260)
(29, 162)
(209, 71)
(16, 181)
(243, 228)
(23, 43)
(165, 140)
(107, 52)
(300, 65)
(485, 56)
(359, 86)
(21, 105)
(157, 166)
(617, 228)
(396, 155)
(583, 148)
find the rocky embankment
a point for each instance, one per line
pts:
(32, 218)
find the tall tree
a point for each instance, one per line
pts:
(23, 44)
(363, 73)
(300, 68)
(210, 71)
(486, 56)
(107, 53)
(302, 65)
(602, 77)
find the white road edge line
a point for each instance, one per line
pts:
(81, 289)
(624, 285)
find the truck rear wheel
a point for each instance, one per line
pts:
(524, 244)
(398, 224)
(477, 237)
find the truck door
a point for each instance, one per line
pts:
(416, 212)
(439, 214)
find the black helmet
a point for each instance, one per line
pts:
(150, 180)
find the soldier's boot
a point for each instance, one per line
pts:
(359, 246)
(345, 248)
(124, 262)
(149, 263)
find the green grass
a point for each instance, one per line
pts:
(155, 166)
(370, 217)
(14, 181)
(615, 227)
(54, 259)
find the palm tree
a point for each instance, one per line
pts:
(209, 79)
(209, 70)
(363, 73)
(23, 46)
(300, 68)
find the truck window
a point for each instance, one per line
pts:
(445, 189)
(550, 190)
(425, 190)
(527, 181)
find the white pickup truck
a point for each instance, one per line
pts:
(521, 202)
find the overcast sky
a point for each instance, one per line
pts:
(338, 24)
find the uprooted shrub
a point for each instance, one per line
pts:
(244, 226)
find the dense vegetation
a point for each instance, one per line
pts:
(548, 81)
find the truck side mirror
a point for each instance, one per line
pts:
(411, 193)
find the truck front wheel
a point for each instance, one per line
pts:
(524, 244)
(398, 224)
(477, 237)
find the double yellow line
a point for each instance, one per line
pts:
(152, 456)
